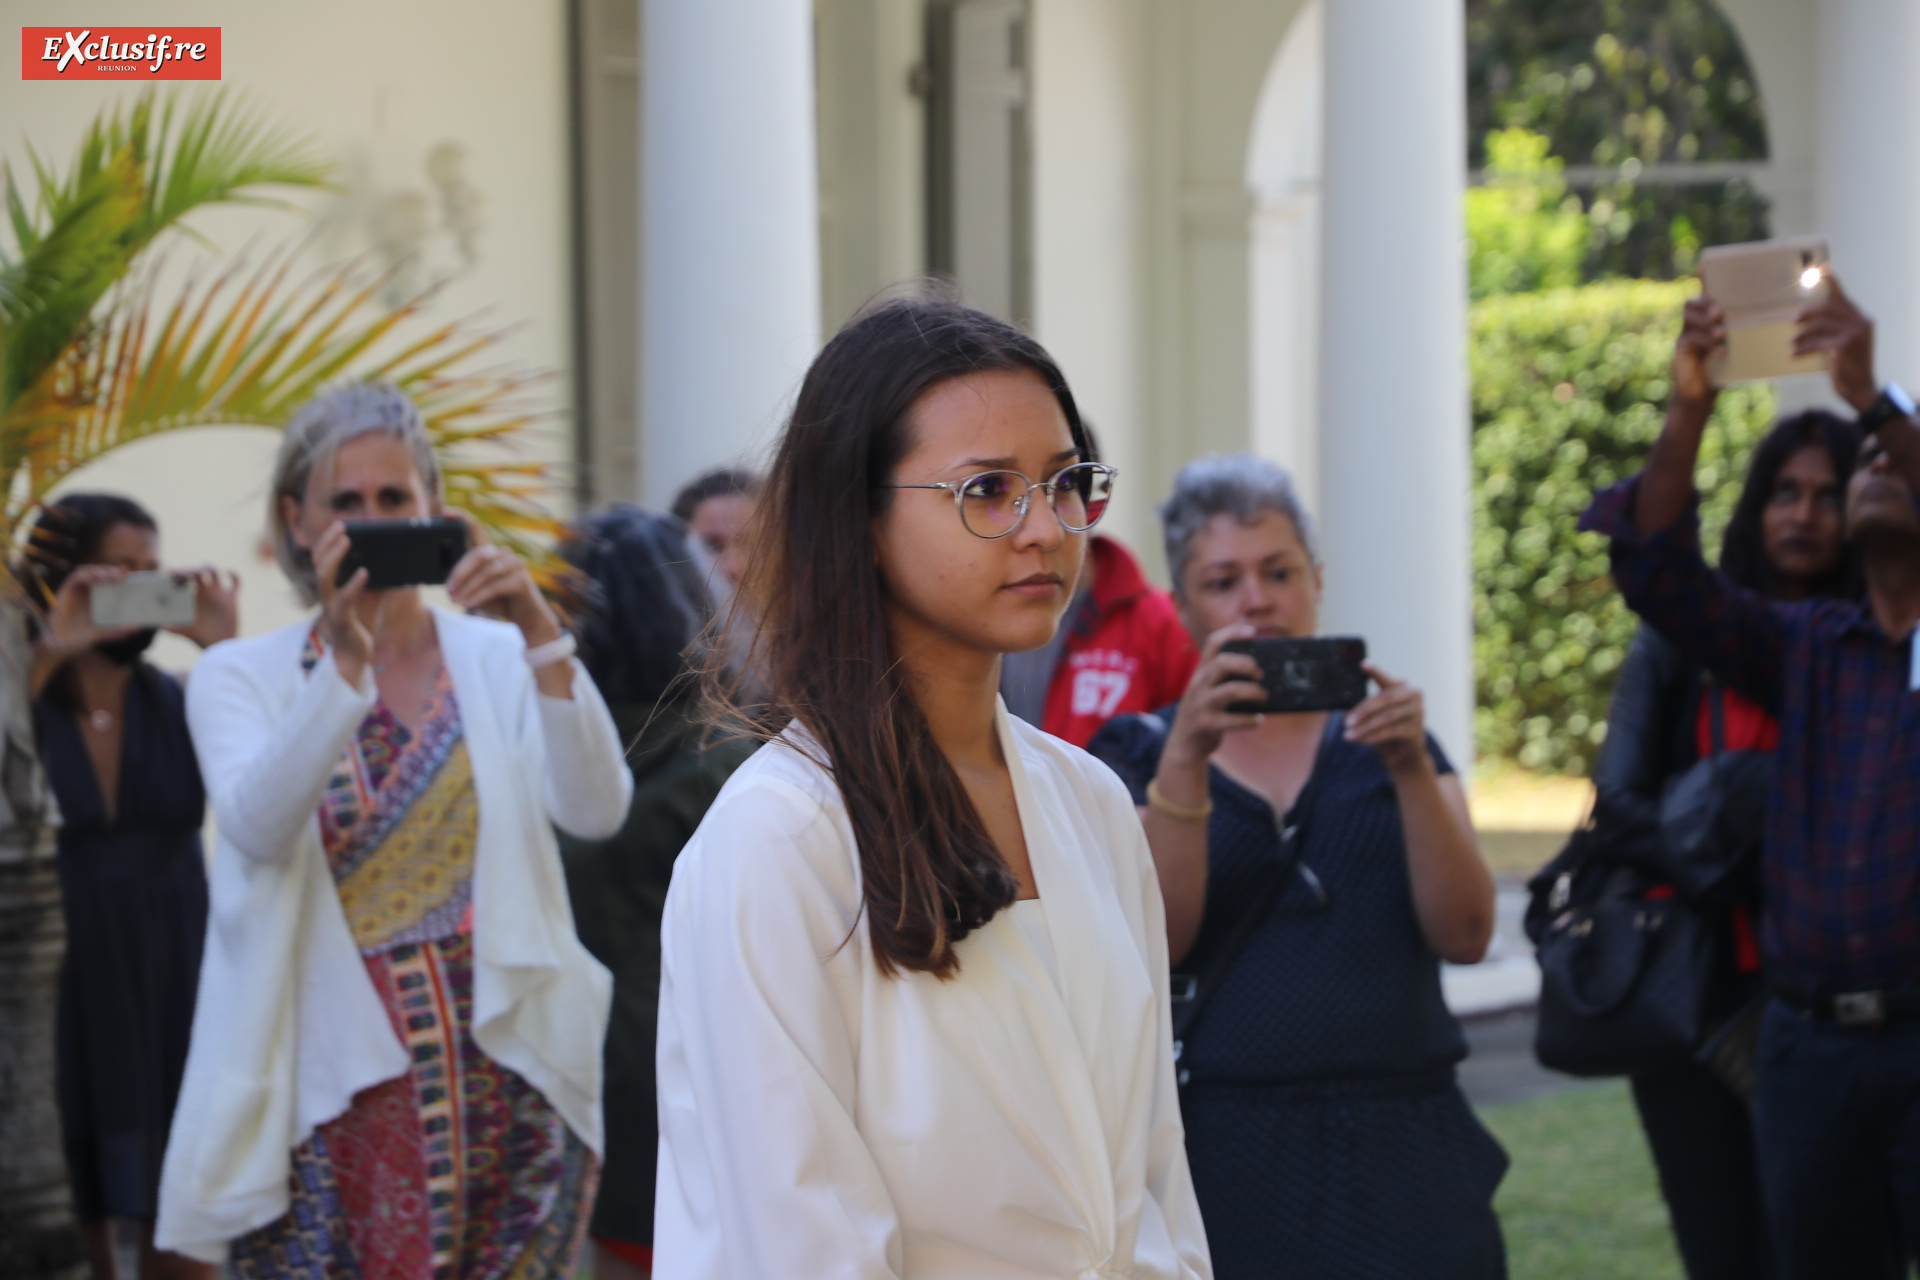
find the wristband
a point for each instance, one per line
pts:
(1157, 801)
(545, 655)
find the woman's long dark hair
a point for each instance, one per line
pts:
(68, 532)
(1743, 550)
(929, 872)
(644, 602)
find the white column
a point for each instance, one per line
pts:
(1283, 173)
(730, 256)
(1868, 190)
(1394, 433)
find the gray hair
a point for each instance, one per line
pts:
(314, 437)
(1236, 484)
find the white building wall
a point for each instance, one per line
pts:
(1778, 37)
(378, 85)
(1869, 167)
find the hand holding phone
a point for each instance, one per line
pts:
(1835, 329)
(67, 626)
(1703, 336)
(1394, 723)
(216, 606)
(496, 582)
(346, 635)
(1204, 717)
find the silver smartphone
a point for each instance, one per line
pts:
(1762, 286)
(148, 599)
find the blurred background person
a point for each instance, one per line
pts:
(716, 507)
(1786, 540)
(1121, 648)
(644, 606)
(1791, 637)
(113, 738)
(1326, 1132)
(396, 1056)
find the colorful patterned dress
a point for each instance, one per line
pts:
(458, 1170)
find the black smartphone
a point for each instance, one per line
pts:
(404, 553)
(1306, 673)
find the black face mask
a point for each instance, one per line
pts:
(127, 649)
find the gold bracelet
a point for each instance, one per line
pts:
(1155, 800)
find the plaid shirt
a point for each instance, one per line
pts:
(1841, 860)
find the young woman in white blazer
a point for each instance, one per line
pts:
(914, 1017)
(395, 1063)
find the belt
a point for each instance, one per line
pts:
(1847, 1008)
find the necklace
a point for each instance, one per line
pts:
(100, 721)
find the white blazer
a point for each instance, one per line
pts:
(288, 1027)
(820, 1119)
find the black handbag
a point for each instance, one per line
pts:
(1626, 982)
(1711, 815)
(1626, 922)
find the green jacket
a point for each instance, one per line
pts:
(619, 889)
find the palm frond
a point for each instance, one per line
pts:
(61, 274)
(249, 346)
(140, 169)
(94, 356)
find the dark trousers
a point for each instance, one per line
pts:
(1701, 1134)
(1837, 1130)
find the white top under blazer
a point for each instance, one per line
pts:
(287, 1026)
(820, 1119)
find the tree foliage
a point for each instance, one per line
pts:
(1623, 84)
(138, 172)
(1569, 388)
(1523, 234)
(1609, 80)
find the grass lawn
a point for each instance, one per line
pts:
(1581, 1200)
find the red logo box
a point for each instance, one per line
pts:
(120, 53)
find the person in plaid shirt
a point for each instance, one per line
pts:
(1837, 1111)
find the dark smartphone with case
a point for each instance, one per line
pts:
(1306, 673)
(404, 553)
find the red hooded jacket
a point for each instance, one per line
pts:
(1125, 650)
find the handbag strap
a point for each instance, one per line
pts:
(1257, 910)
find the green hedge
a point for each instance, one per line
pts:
(1569, 389)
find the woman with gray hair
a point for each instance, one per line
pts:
(395, 1063)
(1316, 869)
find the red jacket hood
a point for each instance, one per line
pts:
(1117, 576)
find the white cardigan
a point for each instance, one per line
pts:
(288, 1027)
(820, 1119)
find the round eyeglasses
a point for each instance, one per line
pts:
(995, 503)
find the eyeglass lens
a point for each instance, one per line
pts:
(992, 503)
